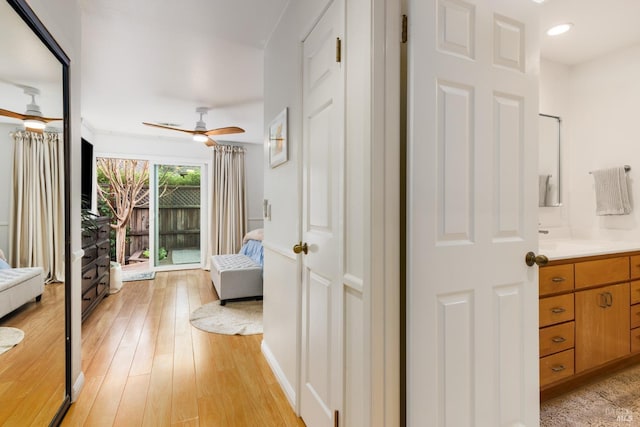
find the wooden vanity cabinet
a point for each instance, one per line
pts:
(602, 322)
(589, 317)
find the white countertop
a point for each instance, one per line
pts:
(556, 249)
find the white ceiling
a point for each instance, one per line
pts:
(157, 60)
(600, 26)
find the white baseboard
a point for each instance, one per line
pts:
(77, 387)
(289, 391)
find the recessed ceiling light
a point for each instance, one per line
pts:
(559, 29)
(539, 1)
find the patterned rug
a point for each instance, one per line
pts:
(138, 275)
(9, 338)
(234, 318)
(614, 401)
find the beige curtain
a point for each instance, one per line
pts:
(228, 200)
(37, 205)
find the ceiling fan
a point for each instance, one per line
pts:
(32, 118)
(200, 133)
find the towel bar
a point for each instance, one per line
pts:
(627, 168)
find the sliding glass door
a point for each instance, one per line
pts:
(177, 197)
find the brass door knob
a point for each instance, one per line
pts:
(301, 247)
(532, 258)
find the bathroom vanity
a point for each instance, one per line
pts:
(589, 315)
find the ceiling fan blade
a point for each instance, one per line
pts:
(224, 131)
(210, 143)
(12, 114)
(43, 119)
(192, 132)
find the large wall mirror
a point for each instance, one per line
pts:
(549, 179)
(35, 374)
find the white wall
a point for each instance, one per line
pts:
(598, 102)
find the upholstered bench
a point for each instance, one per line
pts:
(18, 286)
(239, 275)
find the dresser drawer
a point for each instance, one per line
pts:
(635, 266)
(89, 275)
(102, 265)
(90, 253)
(635, 316)
(556, 310)
(635, 292)
(601, 272)
(555, 279)
(555, 339)
(635, 340)
(556, 367)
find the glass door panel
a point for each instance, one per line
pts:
(177, 215)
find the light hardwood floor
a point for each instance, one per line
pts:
(145, 365)
(32, 373)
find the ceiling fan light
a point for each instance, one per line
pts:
(34, 124)
(198, 137)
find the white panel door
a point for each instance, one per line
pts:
(472, 357)
(323, 146)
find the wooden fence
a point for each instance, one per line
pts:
(178, 219)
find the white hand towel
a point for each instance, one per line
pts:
(612, 194)
(543, 186)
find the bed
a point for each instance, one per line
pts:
(239, 276)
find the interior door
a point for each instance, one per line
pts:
(472, 344)
(323, 82)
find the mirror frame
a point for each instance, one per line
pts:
(559, 154)
(29, 17)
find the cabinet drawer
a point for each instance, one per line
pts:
(635, 292)
(103, 230)
(556, 310)
(635, 316)
(102, 264)
(556, 338)
(90, 253)
(601, 272)
(103, 248)
(87, 298)
(635, 266)
(556, 367)
(88, 276)
(635, 340)
(557, 278)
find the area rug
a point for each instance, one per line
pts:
(138, 275)
(9, 338)
(185, 256)
(614, 401)
(234, 318)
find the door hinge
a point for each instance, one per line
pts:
(405, 24)
(338, 50)
(336, 419)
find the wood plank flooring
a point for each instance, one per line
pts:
(145, 365)
(32, 373)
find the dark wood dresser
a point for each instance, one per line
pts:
(95, 262)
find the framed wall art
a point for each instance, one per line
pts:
(278, 142)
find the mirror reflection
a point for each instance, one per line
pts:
(549, 179)
(32, 290)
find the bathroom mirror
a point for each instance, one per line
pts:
(35, 374)
(549, 177)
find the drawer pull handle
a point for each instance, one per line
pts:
(86, 299)
(87, 277)
(558, 310)
(558, 340)
(558, 279)
(558, 368)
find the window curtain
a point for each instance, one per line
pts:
(37, 206)
(228, 200)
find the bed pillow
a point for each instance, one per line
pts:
(3, 264)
